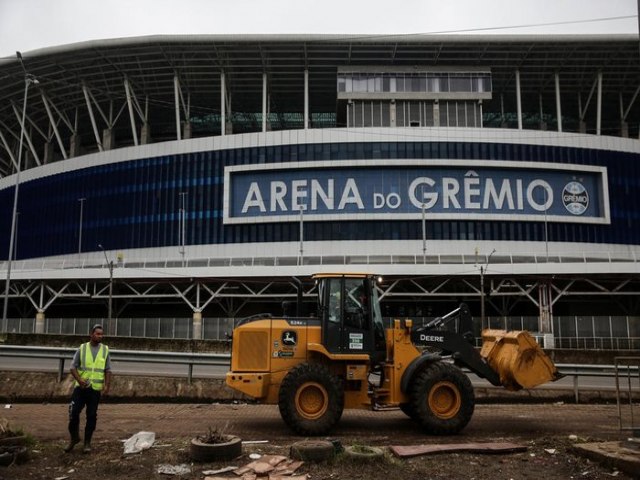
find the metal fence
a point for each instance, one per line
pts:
(586, 333)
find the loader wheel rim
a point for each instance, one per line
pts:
(312, 400)
(445, 400)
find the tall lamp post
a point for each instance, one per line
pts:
(483, 269)
(81, 200)
(183, 229)
(110, 266)
(28, 80)
(424, 235)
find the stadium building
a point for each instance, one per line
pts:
(171, 184)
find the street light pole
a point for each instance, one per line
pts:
(183, 230)
(483, 270)
(110, 266)
(301, 236)
(81, 200)
(424, 235)
(28, 79)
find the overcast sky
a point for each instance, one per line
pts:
(32, 24)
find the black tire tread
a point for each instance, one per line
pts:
(419, 391)
(298, 375)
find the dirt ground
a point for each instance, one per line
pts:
(544, 429)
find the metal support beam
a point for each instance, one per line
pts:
(54, 125)
(264, 102)
(92, 117)
(558, 102)
(306, 98)
(22, 120)
(633, 100)
(8, 149)
(223, 95)
(599, 105)
(176, 95)
(131, 116)
(518, 100)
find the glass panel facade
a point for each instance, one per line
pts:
(415, 82)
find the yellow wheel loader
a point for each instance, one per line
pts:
(314, 367)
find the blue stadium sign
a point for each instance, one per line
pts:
(443, 189)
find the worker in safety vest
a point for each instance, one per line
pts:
(91, 369)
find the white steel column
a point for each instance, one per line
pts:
(223, 95)
(518, 100)
(176, 95)
(558, 106)
(92, 117)
(23, 124)
(264, 101)
(9, 152)
(599, 105)
(131, 117)
(53, 125)
(306, 99)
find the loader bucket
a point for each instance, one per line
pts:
(517, 358)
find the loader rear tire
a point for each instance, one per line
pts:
(442, 398)
(311, 399)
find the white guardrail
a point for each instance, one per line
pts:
(62, 354)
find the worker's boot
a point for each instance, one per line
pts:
(75, 438)
(87, 441)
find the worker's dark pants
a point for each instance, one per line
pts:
(80, 398)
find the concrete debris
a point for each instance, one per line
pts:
(254, 442)
(492, 447)
(573, 438)
(255, 456)
(551, 451)
(616, 454)
(167, 469)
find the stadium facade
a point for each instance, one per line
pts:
(201, 176)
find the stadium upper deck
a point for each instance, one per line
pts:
(201, 158)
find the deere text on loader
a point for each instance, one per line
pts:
(314, 367)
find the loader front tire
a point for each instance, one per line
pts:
(311, 399)
(442, 398)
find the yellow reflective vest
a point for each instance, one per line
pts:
(92, 369)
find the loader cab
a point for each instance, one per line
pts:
(351, 316)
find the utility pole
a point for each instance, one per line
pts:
(424, 234)
(111, 327)
(483, 270)
(81, 200)
(183, 228)
(301, 235)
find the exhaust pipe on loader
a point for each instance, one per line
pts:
(518, 359)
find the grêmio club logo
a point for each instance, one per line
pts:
(575, 198)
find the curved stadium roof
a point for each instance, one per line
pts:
(151, 63)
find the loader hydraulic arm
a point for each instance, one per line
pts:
(457, 343)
